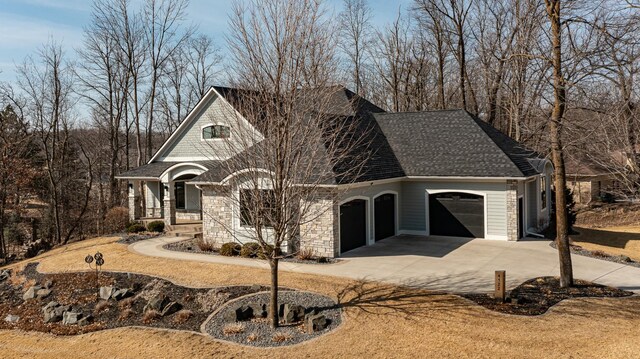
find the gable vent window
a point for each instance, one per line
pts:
(215, 131)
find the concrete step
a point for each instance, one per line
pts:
(185, 228)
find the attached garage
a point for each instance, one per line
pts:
(456, 214)
(384, 216)
(353, 225)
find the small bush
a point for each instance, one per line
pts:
(126, 303)
(136, 227)
(116, 219)
(253, 337)
(126, 314)
(266, 252)
(156, 226)
(182, 316)
(204, 245)
(281, 337)
(232, 329)
(151, 316)
(250, 250)
(306, 254)
(102, 306)
(230, 249)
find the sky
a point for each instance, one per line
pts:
(27, 24)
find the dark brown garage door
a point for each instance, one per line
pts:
(353, 225)
(456, 214)
(385, 216)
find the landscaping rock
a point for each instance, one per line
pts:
(171, 308)
(71, 317)
(259, 309)
(106, 292)
(241, 313)
(4, 275)
(315, 323)
(293, 313)
(43, 293)
(121, 294)
(157, 303)
(53, 312)
(31, 292)
(48, 284)
(85, 320)
(10, 318)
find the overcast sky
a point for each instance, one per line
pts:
(26, 24)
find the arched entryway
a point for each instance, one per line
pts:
(384, 209)
(353, 224)
(188, 198)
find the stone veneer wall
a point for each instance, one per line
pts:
(217, 210)
(321, 234)
(512, 210)
(190, 215)
(169, 212)
(134, 207)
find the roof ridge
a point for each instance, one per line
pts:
(423, 111)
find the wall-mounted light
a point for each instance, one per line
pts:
(166, 188)
(130, 186)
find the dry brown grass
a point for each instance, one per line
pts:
(612, 240)
(305, 254)
(102, 306)
(126, 303)
(380, 320)
(151, 316)
(253, 337)
(126, 314)
(205, 246)
(233, 329)
(281, 337)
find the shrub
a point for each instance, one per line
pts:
(116, 219)
(281, 337)
(151, 316)
(250, 249)
(232, 329)
(102, 306)
(156, 226)
(266, 252)
(126, 303)
(204, 245)
(305, 254)
(230, 249)
(182, 316)
(253, 337)
(126, 314)
(135, 227)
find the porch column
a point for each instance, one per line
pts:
(512, 210)
(134, 200)
(169, 204)
(217, 214)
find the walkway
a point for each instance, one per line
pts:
(437, 263)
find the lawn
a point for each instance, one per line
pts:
(624, 240)
(381, 321)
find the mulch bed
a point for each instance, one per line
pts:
(576, 249)
(79, 290)
(537, 295)
(258, 332)
(136, 237)
(191, 246)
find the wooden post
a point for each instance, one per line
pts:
(500, 285)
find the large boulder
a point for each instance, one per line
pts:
(240, 314)
(106, 292)
(293, 313)
(85, 320)
(121, 294)
(4, 275)
(315, 322)
(157, 303)
(10, 318)
(71, 317)
(259, 309)
(171, 308)
(43, 293)
(53, 312)
(31, 292)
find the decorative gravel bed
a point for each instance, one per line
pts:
(191, 246)
(133, 238)
(258, 332)
(537, 295)
(576, 249)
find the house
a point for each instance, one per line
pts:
(435, 173)
(588, 181)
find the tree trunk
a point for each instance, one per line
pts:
(555, 128)
(273, 300)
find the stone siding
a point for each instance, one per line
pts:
(217, 210)
(169, 212)
(134, 208)
(321, 233)
(512, 210)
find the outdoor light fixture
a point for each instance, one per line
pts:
(130, 185)
(166, 188)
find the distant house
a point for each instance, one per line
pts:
(588, 181)
(436, 173)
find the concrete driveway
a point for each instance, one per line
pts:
(438, 263)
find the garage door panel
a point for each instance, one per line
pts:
(456, 214)
(353, 225)
(385, 216)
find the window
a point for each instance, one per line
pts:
(215, 131)
(179, 195)
(543, 192)
(257, 206)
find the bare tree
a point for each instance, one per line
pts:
(355, 28)
(203, 58)
(287, 170)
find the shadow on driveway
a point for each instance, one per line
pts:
(433, 246)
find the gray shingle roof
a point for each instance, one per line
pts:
(453, 143)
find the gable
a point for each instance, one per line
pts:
(187, 143)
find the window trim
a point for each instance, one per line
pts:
(242, 222)
(214, 138)
(544, 195)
